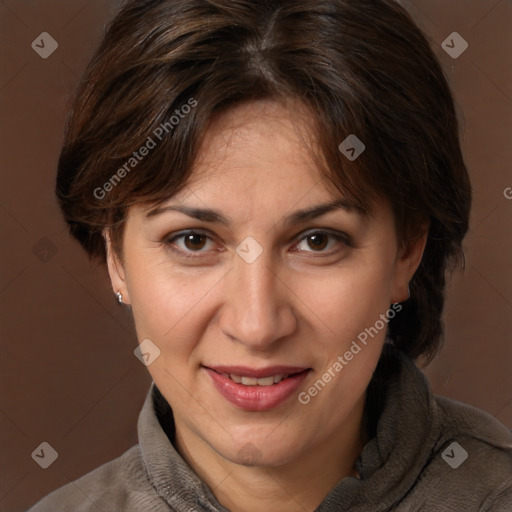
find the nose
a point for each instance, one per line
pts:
(258, 306)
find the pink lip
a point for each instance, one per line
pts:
(257, 398)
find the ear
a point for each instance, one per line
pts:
(407, 262)
(115, 268)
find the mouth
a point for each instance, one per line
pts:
(257, 389)
(247, 380)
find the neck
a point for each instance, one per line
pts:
(298, 485)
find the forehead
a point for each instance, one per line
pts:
(256, 141)
(256, 159)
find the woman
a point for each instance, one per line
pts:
(278, 190)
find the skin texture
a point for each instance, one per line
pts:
(301, 302)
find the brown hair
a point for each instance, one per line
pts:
(361, 66)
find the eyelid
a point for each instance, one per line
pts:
(169, 239)
(338, 235)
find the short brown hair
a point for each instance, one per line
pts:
(361, 66)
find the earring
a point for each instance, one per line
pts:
(119, 297)
(408, 292)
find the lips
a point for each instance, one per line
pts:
(258, 373)
(257, 389)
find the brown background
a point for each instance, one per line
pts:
(68, 373)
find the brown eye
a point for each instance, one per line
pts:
(318, 242)
(194, 241)
(190, 244)
(321, 241)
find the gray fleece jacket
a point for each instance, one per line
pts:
(426, 454)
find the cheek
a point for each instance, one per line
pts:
(348, 299)
(169, 309)
(350, 303)
(167, 303)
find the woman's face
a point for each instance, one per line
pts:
(243, 284)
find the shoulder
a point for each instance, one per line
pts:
(118, 485)
(472, 456)
(486, 437)
(463, 454)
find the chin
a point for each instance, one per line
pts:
(260, 452)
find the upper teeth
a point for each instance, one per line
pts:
(253, 381)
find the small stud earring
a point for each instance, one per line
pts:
(119, 297)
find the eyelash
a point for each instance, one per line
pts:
(340, 237)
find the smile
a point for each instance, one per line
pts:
(257, 390)
(253, 381)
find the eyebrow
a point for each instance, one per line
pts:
(297, 217)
